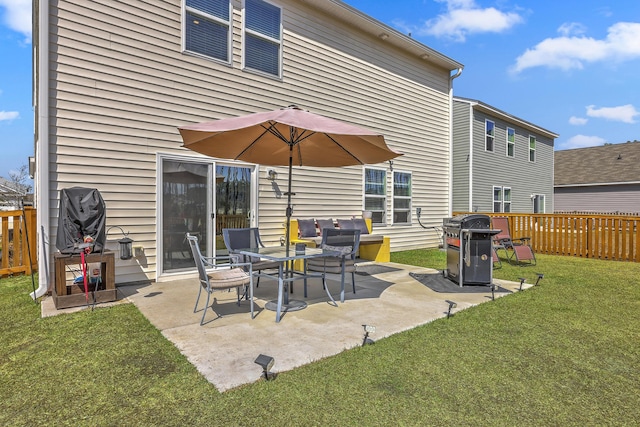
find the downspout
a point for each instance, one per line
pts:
(451, 78)
(470, 165)
(42, 147)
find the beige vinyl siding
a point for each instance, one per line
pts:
(120, 87)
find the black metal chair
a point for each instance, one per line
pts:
(347, 243)
(247, 238)
(222, 276)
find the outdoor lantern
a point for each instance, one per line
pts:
(266, 362)
(126, 244)
(126, 247)
(522, 280)
(368, 329)
(452, 304)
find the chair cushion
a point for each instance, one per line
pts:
(325, 223)
(346, 224)
(360, 224)
(343, 250)
(228, 278)
(307, 228)
(330, 265)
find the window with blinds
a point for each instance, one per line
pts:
(375, 194)
(262, 37)
(207, 28)
(401, 198)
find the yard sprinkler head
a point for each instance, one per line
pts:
(267, 363)
(452, 304)
(367, 330)
(540, 277)
(522, 279)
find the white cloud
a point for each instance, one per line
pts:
(572, 29)
(569, 52)
(623, 113)
(17, 16)
(464, 17)
(8, 115)
(577, 121)
(582, 141)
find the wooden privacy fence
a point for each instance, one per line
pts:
(14, 250)
(609, 237)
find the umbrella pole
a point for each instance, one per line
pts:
(288, 213)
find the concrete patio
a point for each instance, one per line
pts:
(225, 348)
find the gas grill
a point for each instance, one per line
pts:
(467, 241)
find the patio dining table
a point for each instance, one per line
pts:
(286, 274)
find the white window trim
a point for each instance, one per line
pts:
(511, 143)
(486, 135)
(544, 202)
(385, 197)
(393, 197)
(534, 150)
(229, 25)
(493, 200)
(502, 199)
(264, 37)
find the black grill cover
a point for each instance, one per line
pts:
(82, 213)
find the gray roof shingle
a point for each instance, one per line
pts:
(613, 163)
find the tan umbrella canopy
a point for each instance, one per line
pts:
(287, 137)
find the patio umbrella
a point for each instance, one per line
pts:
(287, 137)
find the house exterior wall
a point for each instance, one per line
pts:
(120, 86)
(495, 168)
(622, 198)
(461, 158)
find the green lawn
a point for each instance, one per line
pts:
(564, 353)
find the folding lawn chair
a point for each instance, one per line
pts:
(519, 248)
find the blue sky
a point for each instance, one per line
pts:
(569, 66)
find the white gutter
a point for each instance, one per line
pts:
(451, 78)
(42, 147)
(593, 184)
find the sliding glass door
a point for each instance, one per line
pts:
(200, 198)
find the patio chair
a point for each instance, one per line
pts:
(497, 263)
(224, 276)
(248, 238)
(518, 248)
(347, 243)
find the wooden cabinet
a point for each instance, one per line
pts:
(68, 292)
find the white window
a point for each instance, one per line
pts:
(532, 148)
(207, 28)
(511, 142)
(262, 37)
(538, 203)
(490, 133)
(401, 197)
(375, 194)
(501, 199)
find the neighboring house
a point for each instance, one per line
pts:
(603, 179)
(13, 195)
(116, 79)
(501, 163)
